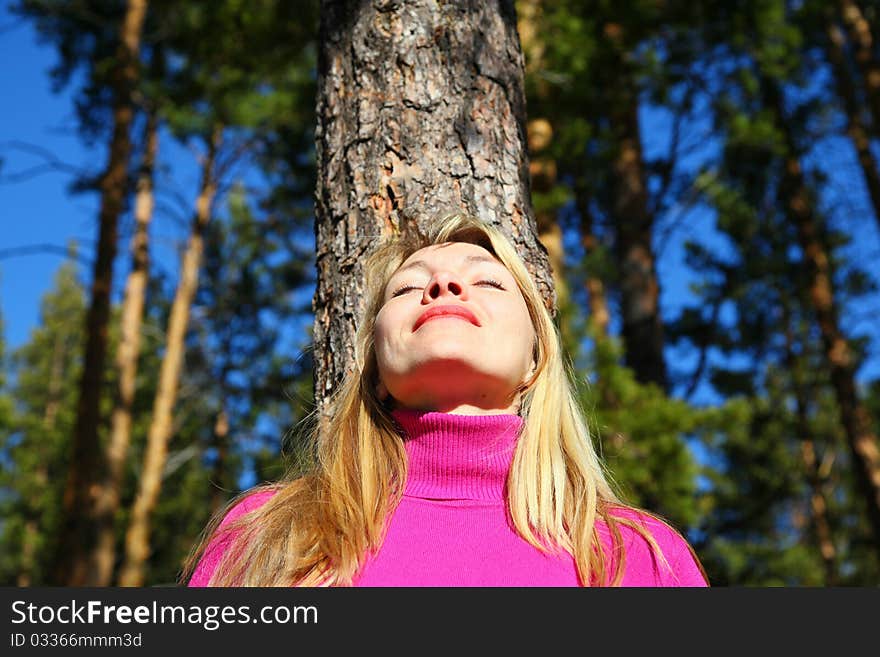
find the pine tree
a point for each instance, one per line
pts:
(575, 89)
(127, 356)
(224, 112)
(246, 279)
(64, 25)
(45, 371)
(774, 518)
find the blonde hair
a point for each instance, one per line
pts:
(321, 525)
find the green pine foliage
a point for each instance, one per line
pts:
(43, 386)
(7, 429)
(642, 433)
(642, 436)
(759, 526)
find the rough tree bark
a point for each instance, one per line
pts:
(79, 530)
(795, 197)
(128, 352)
(137, 538)
(420, 110)
(642, 329)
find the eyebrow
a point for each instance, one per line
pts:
(421, 264)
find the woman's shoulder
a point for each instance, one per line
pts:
(661, 530)
(251, 501)
(220, 541)
(643, 565)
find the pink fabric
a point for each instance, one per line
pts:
(451, 527)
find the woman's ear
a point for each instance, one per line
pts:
(381, 391)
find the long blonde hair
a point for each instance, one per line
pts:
(322, 524)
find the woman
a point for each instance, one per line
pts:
(456, 456)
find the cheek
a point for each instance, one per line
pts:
(522, 332)
(383, 338)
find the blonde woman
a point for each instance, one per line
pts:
(457, 454)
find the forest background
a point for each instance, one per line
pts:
(731, 118)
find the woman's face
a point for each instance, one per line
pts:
(454, 333)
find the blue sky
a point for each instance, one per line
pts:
(39, 210)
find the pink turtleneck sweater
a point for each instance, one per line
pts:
(451, 527)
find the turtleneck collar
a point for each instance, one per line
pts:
(454, 457)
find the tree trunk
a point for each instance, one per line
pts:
(420, 110)
(104, 556)
(221, 444)
(137, 539)
(795, 198)
(855, 127)
(642, 330)
(862, 38)
(599, 314)
(818, 504)
(542, 170)
(79, 529)
(539, 136)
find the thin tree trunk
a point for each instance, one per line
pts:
(615, 442)
(41, 476)
(855, 127)
(420, 110)
(542, 170)
(104, 556)
(137, 539)
(539, 136)
(642, 330)
(798, 205)
(221, 444)
(818, 504)
(79, 529)
(862, 38)
(600, 317)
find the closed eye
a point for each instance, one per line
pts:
(403, 289)
(407, 287)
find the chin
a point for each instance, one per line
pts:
(443, 373)
(446, 361)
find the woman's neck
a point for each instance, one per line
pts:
(458, 456)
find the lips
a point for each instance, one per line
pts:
(441, 311)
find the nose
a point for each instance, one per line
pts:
(444, 283)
